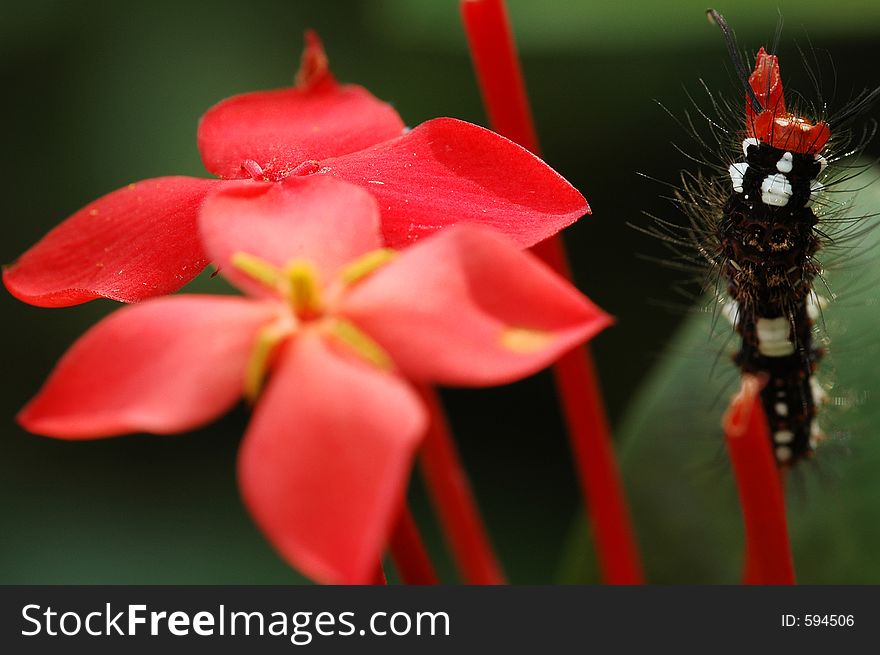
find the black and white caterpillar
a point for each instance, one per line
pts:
(757, 228)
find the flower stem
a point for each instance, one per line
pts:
(454, 501)
(493, 52)
(409, 554)
(379, 576)
(501, 82)
(759, 482)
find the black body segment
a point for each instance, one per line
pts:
(767, 253)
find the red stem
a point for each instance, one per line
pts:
(768, 558)
(409, 554)
(454, 501)
(501, 82)
(379, 576)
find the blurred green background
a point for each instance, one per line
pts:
(100, 94)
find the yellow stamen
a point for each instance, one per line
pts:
(258, 269)
(366, 264)
(525, 340)
(267, 340)
(353, 337)
(303, 288)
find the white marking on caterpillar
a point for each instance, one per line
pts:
(820, 397)
(776, 190)
(752, 141)
(815, 305)
(783, 436)
(781, 409)
(737, 172)
(816, 434)
(773, 337)
(784, 165)
(783, 453)
(730, 311)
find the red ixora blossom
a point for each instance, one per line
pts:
(338, 326)
(142, 240)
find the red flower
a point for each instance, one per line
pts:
(142, 240)
(338, 324)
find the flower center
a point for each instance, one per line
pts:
(299, 284)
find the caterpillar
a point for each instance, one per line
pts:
(755, 225)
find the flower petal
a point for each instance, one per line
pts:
(325, 221)
(466, 307)
(134, 243)
(446, 171)
(324, 465)
(165, 366)
(279, 130)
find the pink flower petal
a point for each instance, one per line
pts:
(322, 220)
(466, 307)
(324, 465)
(446, 171)
(279, 130)
(137, 242)
(165, 366)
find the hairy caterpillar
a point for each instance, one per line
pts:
(761, 225)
